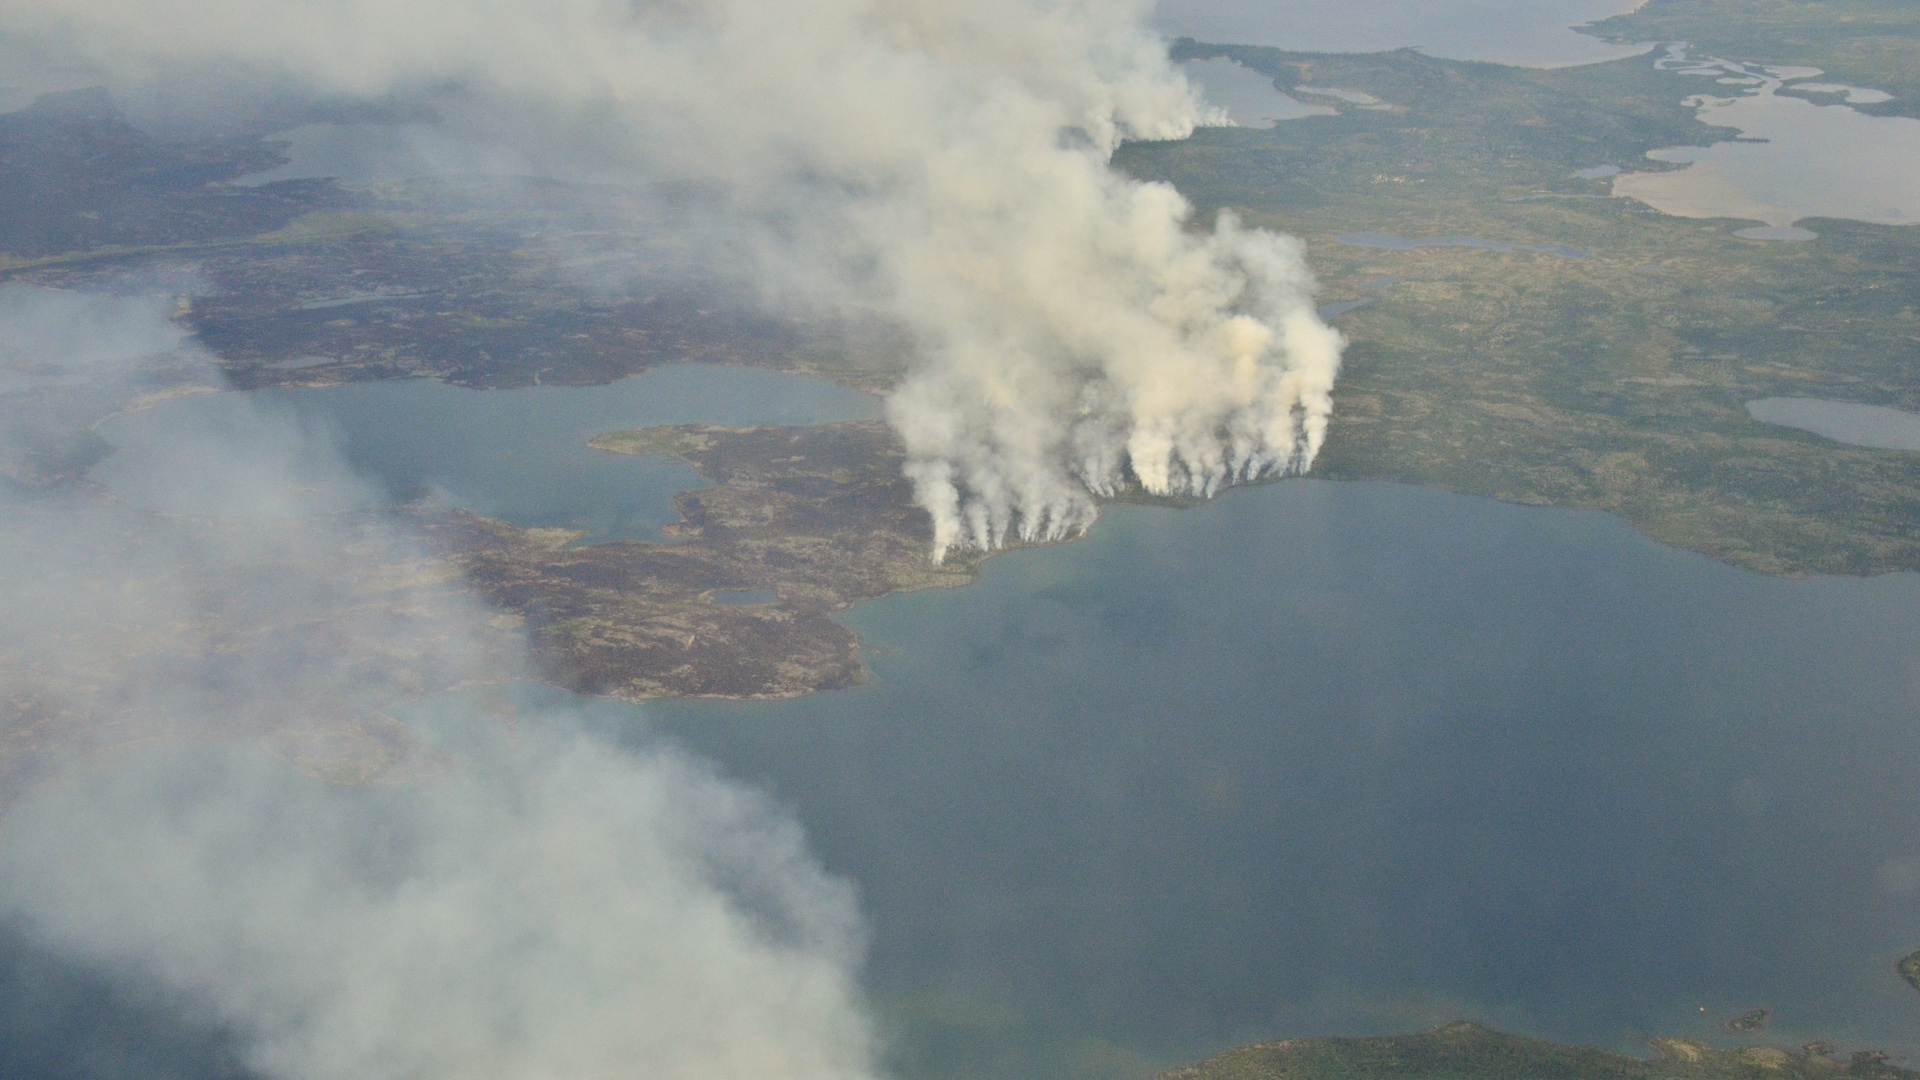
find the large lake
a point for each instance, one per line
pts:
(1321, 758)
(1313, 758)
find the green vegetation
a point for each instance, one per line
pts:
(1615, 381)
(1870, 43)
(1467, 1051)
(1910, 970)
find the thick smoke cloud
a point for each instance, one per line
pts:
(554, 910)
(512, 896)
(942, 166)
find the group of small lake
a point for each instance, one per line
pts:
(1310, 758)
(1794, 158)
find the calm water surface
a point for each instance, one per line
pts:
(519, 455)
(1312, 758)
(1843, 421)
(1322, 758)
(1529, 33)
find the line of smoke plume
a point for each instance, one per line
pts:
(546, 905)
(941, 165)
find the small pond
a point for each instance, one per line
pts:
(1842, 421)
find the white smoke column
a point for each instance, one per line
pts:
(547, 905)
(558, 910)
(1181, 364)
(942, 164)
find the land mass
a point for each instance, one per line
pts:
(1548, 344)
(819, 518)
(1515, 333)
(1469, 1051)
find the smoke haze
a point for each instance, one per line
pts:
(496, 895)
(556, 909)
(940, 166)
(516, 898)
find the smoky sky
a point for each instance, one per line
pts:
(188, 662)
(944, 168)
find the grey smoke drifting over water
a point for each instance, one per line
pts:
(525, 900)
(938, 165)
(554, 909)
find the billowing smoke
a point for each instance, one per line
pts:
(188, 657)
(1144, 357)
(943, 166)
(554, 909)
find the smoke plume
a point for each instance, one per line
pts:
(503, 894)
(556, 909)
(943, 166)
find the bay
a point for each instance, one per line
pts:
(520, 455)
(1842, 421)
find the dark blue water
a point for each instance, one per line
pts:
(520, 455)
(1322, 758)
